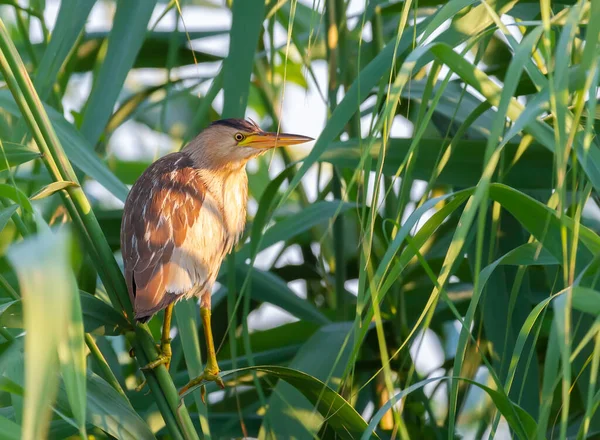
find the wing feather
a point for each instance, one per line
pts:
(160, 210)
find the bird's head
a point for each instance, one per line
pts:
(233, 142)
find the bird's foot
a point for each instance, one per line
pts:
(164, 358)
(141, 386)
(209, 375)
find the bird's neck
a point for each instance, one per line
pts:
(229, 191)
(220, 179)
(227, 183)
(220, 182)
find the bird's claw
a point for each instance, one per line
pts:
(141, 386)
(162, 359)
(164, 356)
(207, 376)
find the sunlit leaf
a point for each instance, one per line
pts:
(42, 264)
(51, 188)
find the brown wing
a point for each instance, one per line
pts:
(161, 207)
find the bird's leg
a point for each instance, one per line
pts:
(211, 371)
(211, 357)
(164, 349)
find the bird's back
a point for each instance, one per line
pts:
(176, 229)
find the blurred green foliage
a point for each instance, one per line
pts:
(472, 240)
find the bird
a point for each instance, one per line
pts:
(182, 216)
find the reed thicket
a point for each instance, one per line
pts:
(471, 243)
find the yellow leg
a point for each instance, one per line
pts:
(211, 371)
(164, 349)
(165, 343)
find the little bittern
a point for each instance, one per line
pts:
(182, 216)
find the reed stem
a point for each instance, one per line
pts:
(80, 211)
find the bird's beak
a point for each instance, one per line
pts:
(272, 140)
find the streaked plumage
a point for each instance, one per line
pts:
(182, 216)
(179, 222)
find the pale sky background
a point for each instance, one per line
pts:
(303, 112)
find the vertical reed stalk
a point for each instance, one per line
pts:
(80, 211)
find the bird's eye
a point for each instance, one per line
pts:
(239, 137)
